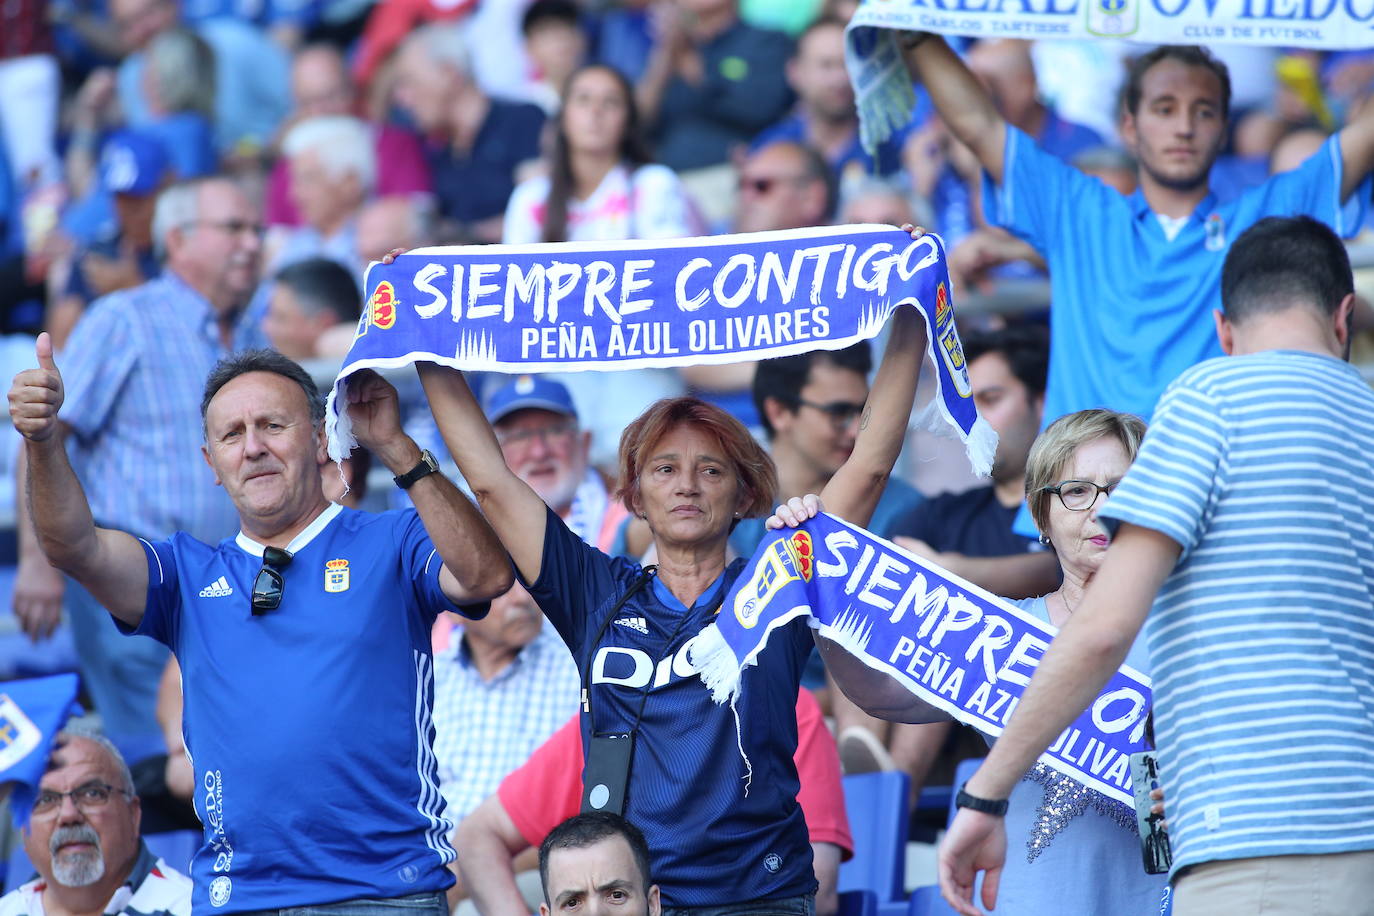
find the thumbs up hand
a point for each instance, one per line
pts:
(37, 394)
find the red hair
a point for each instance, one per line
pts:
(757, 475)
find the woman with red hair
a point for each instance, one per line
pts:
(714, 795)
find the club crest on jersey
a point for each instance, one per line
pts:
(18, 735)
(336, 576)
(787, 560)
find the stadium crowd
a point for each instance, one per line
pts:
(187, 186)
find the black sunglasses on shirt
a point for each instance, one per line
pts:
(269, 585)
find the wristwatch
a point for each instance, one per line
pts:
(428, 465)
(986, 805)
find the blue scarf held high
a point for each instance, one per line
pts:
(630, 305)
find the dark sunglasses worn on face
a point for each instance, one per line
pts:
(269, 585)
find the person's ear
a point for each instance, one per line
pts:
(1341, 319)
(205, 453)
(584, 445)
(1226, 334)
(321, 445)
(1127, 126)
(777, 413)
(655, 901)
(543, 908)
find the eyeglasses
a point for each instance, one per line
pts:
(269, 585)
(91, 795)
(841, 413)
(765, 184)
(523, 438)
(1079, 495)
(230, 226)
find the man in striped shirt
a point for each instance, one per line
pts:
(1248, 521)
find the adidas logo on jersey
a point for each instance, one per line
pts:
(638, 624)
(220, 588)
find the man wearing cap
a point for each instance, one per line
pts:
(134, 369)
(133, 169)
(537, 426)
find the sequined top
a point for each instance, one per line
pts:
(1070, 849)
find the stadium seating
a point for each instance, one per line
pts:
(877, 807)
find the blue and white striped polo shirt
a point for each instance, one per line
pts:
(1262, 638)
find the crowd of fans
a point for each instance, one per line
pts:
(181, 180)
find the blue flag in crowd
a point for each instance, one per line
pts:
(31, 715)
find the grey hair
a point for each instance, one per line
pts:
(182, 65)
(342, 144)
(263, 360)
(176, 206)
(88, 733)
(445, 43)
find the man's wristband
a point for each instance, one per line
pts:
(986, 805)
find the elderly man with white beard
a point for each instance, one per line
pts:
(83, 838)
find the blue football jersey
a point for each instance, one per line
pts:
(718, 808)
(309, 725)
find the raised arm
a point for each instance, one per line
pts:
(855, 488)
(514, 510)
(110, 564)
(475, 566)
(853, 492)
(1357, 148)
(964, 105)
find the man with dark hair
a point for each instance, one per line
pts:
(1246, 520)
(1133, 278)
(785, 185)
(969, 533)
(809, 406)
(314, 620)
(825, 116)
(308, 299)
(597, 862)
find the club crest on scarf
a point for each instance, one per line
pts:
(790, 559)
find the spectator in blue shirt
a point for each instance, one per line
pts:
(1134, 279)
(825, 116)
(474, 142)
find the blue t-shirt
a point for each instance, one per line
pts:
(1132, 309)
(715, 837)
(1262, 637)
(309, 726)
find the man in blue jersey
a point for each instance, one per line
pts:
(304, 639)
(1248, 522)
(1133, 279)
